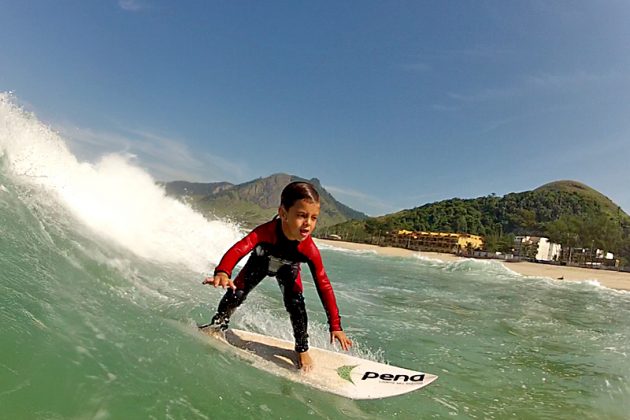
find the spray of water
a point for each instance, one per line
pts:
(112, 196)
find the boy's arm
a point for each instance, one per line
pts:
(239, 250)
(323, 286)
(326, 294)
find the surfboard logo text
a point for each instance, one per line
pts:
(389, 377)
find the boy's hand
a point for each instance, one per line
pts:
(220, 279)
(344, 341)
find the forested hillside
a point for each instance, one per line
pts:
(567, 212)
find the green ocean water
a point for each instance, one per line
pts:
(100, 290)
(91, 331)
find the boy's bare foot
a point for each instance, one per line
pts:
(305, 363)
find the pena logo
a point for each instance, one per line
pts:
(344, 372)
(394, 378)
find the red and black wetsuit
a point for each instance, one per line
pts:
(275, 255)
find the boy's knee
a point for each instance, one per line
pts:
(295, 304)
(235, 296)
(288, 273)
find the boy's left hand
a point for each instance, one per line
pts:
(344, 341)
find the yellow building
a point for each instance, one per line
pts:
(435, 241)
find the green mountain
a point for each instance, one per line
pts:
(567, 212)
(255, 202)
(588, 194)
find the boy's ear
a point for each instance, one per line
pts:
(282, 213)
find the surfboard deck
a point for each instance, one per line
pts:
(337, 373)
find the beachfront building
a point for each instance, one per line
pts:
(600, 254)
(537, 248)
(435, 241)
(590, 257)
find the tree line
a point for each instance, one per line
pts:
(571, 218)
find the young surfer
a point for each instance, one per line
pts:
(277, 249)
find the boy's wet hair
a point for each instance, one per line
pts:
(298, 190)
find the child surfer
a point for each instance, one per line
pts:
(277, 249)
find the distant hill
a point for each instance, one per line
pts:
(584, 191)
(567, 211)
(185, 188)
(255, 202)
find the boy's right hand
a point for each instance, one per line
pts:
(220, 279)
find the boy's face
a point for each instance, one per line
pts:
(299, 221)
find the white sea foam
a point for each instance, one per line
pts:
(568, 283)
(113, 196)
(428, 259)
(594, 283)
(475, 265)
(345, 250)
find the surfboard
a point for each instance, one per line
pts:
(336, 373)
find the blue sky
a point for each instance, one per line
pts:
(391, 104)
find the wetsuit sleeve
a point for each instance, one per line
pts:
(242, 248)
(324, 288)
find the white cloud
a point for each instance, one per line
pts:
(444, 108)
(166, 159)
(131, 5)
(487, 94)
(360, 201)
(571, 80)
(482, 52)
(535, 84)
(416, 67)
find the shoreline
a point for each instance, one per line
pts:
(611, 279)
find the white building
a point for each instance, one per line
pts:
(545, 250)
(603, 255)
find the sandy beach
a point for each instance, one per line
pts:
(611, 279)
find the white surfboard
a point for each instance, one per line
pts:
(333, 372)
